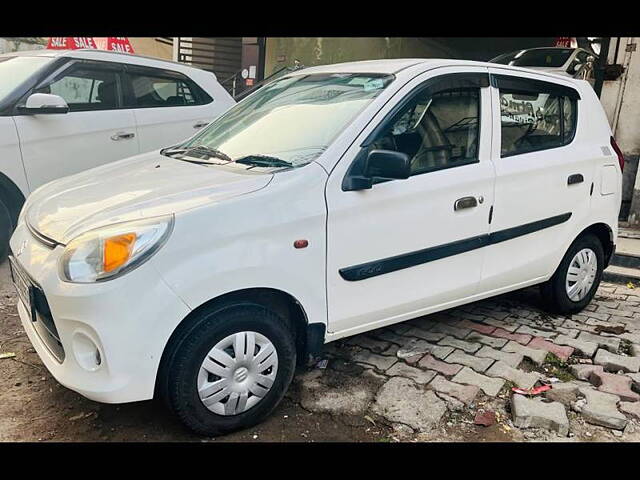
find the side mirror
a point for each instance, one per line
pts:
(386, 164)
(576, 67)
(43, 103)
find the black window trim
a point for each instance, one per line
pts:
(199, 94)
(516, 84)
(531, 85)
(61, 64)
(436, 84)
(62, 69)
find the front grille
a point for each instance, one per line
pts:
(45, 326)
(41, 317)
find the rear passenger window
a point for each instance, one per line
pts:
(532, 121)
(436, 130)
(151, 90)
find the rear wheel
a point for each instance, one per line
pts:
(576, 280)
(231, 370)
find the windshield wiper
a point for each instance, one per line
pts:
(210, 152)
(264, 161)
(168, 151)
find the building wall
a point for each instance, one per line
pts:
(621, 101)
(310, 51)
(621, 98)
(151, 47)
(15, 44)
(281, 52)
(148, 46)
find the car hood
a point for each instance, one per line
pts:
(139, 187)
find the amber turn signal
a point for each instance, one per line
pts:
(117, 251)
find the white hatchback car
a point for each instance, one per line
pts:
(62, 112)
(335, 200)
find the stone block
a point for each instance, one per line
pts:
(402, 400)
(530, 413)
(490, 386)
(536, 356)
(465, 393)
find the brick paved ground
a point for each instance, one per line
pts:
(423, 380)
(438, 372)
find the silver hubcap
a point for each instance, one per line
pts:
(581, 274)
(237, 373)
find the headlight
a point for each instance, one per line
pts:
(108, 252)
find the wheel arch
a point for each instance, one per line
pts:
(605, 234)
(308, 337)
(11, 196)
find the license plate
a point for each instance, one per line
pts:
(21, 284)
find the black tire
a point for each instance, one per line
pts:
(6, 229)
(554, 291)
(190, 350)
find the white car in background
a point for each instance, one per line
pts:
(562, 61)
(65, 111)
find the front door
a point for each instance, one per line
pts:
(406, 247)
(95, 131)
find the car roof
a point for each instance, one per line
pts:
(94, 54)
(396, 65)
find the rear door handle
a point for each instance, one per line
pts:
(575, 178)
(465, 202)
(200, 124)
(122, 136)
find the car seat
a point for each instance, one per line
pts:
(107, 94)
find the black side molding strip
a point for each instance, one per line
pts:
(411, 259)
(527, 228)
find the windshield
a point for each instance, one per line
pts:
(15, 70)
(287, 123)
(540, 57)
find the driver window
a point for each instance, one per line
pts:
(437, 131)
(86, 88)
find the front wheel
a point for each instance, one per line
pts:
(576, 280)
(231, 370)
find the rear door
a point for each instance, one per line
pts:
(96, 130)
(544, 175)
(168, 106)
(405, 247)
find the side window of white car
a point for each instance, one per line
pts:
(151, 89)
(86, 88)
(437, 130)
(535, 116)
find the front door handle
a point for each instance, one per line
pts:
(122, 136)
(200, 124)
(465, 202)
(575, 178)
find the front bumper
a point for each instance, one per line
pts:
(112, 333)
